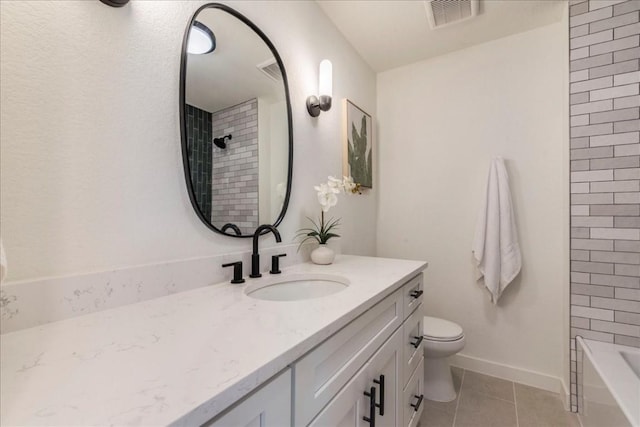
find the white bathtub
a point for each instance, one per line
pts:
(608, 384)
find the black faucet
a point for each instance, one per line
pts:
(255, 256)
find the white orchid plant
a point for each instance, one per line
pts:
(327, 197)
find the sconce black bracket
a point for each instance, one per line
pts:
(115, 3)
(315, 105)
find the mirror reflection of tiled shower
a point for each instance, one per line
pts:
(225, 175)
(235, 168)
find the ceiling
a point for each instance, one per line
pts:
(393, 33)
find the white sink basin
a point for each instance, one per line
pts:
(295, 287)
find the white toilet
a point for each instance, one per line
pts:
(442, 339)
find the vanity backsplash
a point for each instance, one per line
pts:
(25, 304)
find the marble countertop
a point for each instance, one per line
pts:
(179, 359)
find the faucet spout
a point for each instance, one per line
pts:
(255, 256)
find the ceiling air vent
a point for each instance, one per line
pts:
(446, 12)
(271, 68)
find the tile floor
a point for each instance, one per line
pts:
(485, 401)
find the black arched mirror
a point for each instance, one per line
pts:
(236, 126)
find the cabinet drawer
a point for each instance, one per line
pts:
(269, 406)
(412, 395)
(412, 333)
(320, 374)
(412, 293)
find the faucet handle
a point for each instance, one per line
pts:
(237, 271)
(275, 264)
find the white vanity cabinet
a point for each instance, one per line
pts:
(371, 368)
(398, 363)
(269, 406)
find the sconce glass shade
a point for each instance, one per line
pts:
(325, 85)
(201, 39)
(322, 102)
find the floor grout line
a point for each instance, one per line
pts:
(455, 413)
(515, 402)
(490, 396)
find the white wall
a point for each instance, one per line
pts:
(440, 121)
(91, 170)
(566, 211)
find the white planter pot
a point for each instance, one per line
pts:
(323, 255)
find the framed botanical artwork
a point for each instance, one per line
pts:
(358, 144)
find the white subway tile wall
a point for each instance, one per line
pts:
(605, 173)
(235, 168)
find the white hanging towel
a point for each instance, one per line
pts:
(495, 246)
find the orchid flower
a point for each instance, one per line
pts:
(327, 197)
(337, 185)
(348, 184)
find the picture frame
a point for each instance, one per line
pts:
(357, 144)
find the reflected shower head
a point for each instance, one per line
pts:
(220, 142)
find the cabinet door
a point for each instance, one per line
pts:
(387, 365)
(349, 407)
(324, 371)
(269, 406)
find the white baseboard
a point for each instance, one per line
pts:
(565, 396)
(512, 373)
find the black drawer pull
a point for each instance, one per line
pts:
(380, 405)
(416, 294)
(371, 419)
(418, 403)
(418, 341)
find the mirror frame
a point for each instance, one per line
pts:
(183, 124)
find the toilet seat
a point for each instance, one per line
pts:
(436, 329)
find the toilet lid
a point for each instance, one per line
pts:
(441, 330)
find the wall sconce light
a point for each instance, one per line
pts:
(322, 102)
